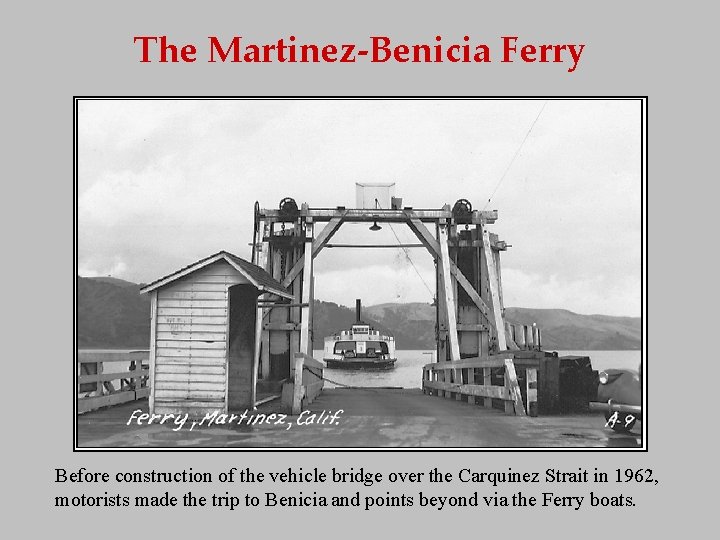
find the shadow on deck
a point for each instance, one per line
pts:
(365, 418)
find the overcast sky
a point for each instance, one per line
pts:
(162, 184)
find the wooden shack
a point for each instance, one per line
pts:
(202, 335)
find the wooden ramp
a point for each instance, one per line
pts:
(370, 418)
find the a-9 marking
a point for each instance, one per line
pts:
(628, 420)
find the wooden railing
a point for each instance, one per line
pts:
(474, 378)
(306, 382)
(110, 378)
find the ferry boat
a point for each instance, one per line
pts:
(360, 347)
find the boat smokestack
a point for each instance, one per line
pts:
(358, 309)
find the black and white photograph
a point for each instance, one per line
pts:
(360, 273)
(322, 269)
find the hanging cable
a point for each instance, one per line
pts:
(320, 375)
(407, 255)
(517, 152)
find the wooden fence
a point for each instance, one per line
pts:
(474, 378)
(306, 382)
(110, 378)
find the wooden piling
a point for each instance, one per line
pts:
(520, 336)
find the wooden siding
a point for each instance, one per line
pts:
(190, 346)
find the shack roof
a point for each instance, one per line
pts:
(253, 273)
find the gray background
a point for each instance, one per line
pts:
(54, 52)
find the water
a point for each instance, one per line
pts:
(408, 368)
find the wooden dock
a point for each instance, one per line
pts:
(371, 418)
(489, 413)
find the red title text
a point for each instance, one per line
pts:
(377, 50)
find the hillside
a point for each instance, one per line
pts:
(113, 314)
(563, 329)
(412, 324)
(330, 318)
(414, 311)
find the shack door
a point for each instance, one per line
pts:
(242, 301)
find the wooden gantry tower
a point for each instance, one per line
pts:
(469, 299)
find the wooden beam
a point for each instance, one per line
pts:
(487, 381)
(297, 375)
(311, 309)
(441, 326)
(100, 384)
(91, 357)
(262, 337)
(496, 262)
(494, 291)
(479, 362)
(362, 215)
(511, 383)
(277, 341)
(286, 327)
(325, 235)
(497, 245)
(375, 246)
(469, 327)
(91, 403)
(317, 246)
(471, 381)
(448, 293)
(457, 373)
(479, 390)
(305, 344)
(265, 355)
(472, 293)
(275, 305)
(295, 313)
(153, 334)
(294, 271)
(431, 244)
(424, 235)
(531, 391)
(104, 377)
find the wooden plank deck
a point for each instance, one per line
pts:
(373, 418)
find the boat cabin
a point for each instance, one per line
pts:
(347, 347)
